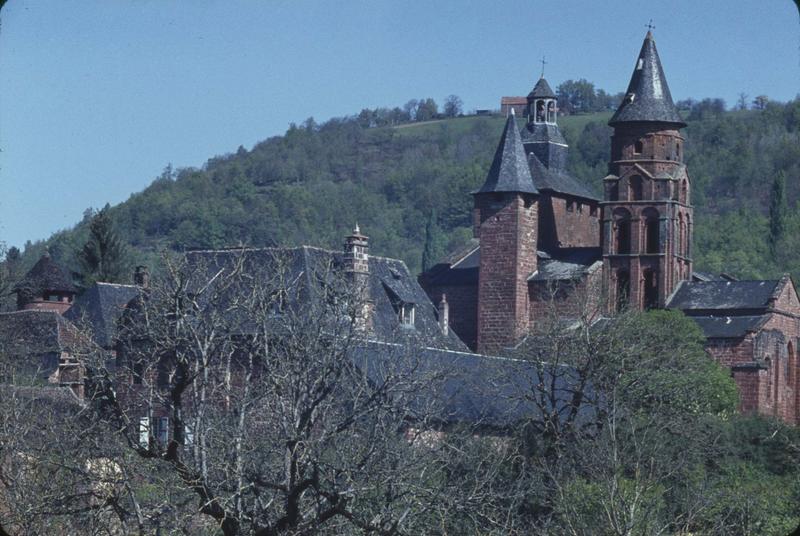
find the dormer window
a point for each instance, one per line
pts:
(406, 314)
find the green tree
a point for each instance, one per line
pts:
(104, 257)
(453, 106)
(427, 110)
(777, 214)
(432, 250)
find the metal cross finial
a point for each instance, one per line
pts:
(543, 64)
(650, 25)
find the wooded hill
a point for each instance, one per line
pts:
(408, 188)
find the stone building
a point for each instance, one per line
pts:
(542, 241)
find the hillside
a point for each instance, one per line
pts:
(410, 185)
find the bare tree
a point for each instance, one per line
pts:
(251, 386)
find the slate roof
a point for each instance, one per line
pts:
(647, 97)
(556, 180)
(567, 264)
(308, 269)
(34, 339)
(101, 307)
(509, 171)
(729, 327)
(463, 387)
(723, 295)
(45, 275)
(542, 133)
(542, 90)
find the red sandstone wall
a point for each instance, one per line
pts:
(567, 299)
(575, 222)
(508, 258)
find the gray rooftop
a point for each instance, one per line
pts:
(557, 180)
(729, 327)
(100, 308)
(45, 276)
(462, 387)
(567, 264)
(306, 271)
(647, 97)
(509, 171)
(542, 90)
(723, 295)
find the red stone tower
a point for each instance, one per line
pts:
(505, 217)
(647, 214)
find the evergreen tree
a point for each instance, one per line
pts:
(104, 257)
(777, 213)
(429, 250)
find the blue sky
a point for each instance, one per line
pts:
(97, 97)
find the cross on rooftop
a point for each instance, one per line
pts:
(650, 25)
(543, 64)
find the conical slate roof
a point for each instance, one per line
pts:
(509, 171)
(647, 97)
(45, 275)
(542, 90)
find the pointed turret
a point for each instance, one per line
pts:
(509, 171)
(541, 90)
(648, 97)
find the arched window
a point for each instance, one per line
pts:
(652, 226)
(684, 192)
(540, 111)
(637, 147)
(687, 240)
(622, 231)
(551, 112)
(623, 289)
(650, 289)
(678, 151)
(680, 246)
(637, 187)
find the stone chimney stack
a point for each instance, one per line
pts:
(141, 277)
(356, 253)
(356, 268)
(444, 315)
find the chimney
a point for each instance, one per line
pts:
(356, 247)
(356, 267)
(444, 315)
(141, 277)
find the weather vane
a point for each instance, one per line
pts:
(543, 64)
(650, 25)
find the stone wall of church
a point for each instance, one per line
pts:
(508, 256)
(566, 221)
(765, 368)
(567, 299)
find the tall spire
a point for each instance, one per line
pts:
(509, 171)
(648, 97)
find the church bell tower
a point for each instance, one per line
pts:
(647, 211)
(505, 217)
